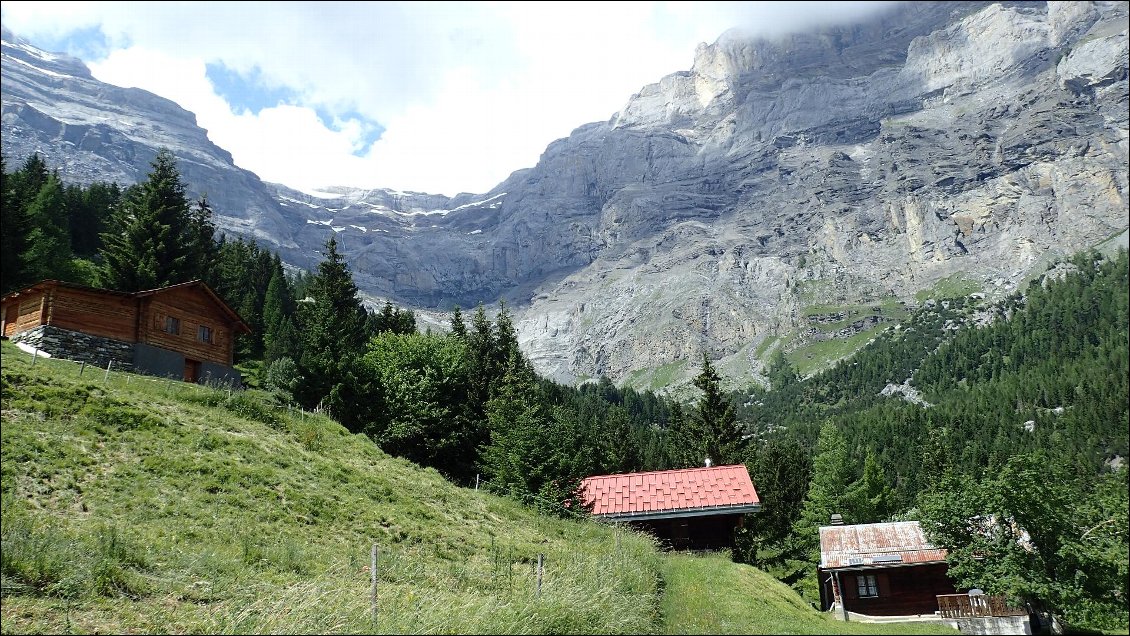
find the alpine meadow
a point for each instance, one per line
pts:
(828, 334)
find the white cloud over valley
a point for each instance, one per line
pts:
(466, 92)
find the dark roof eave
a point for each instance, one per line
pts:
(878, 566)
(682, 512)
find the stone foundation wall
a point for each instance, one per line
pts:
(81, 347)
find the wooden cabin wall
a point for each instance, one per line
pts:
(902, 590)
(194, 308)
(23, 313)
(93, 313)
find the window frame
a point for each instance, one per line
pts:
(867, 586)
(172, 325)
(206, 334)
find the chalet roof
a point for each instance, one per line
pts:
(49, 283)
(240, 325)
(876, 545)
(672, 493)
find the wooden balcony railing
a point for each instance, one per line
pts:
(966, 606)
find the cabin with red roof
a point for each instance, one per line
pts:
(689, 509)
(881, 569)
(184, 331)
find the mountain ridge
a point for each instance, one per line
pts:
(852, 165)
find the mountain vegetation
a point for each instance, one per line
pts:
(956, 416)
(142, 505)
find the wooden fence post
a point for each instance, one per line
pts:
(82, 368)
(373, 584)
(106, 378)
(540, 558)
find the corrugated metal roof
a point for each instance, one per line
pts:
(671, 491)
(876, 544)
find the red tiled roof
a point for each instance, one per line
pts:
(876, 544)
(671, 493)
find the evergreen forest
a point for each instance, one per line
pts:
(1007, 436)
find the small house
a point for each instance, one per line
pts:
(881, 569)
(184, 331)
(694, 508)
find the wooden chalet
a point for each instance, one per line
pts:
(881, 569)
(182, 330)
(694, 508)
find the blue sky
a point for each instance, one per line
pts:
(440, 97)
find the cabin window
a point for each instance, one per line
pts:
(868, 587)
(172, 325)
(204, 334)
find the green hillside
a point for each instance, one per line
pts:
(137, 505)
(710, 594)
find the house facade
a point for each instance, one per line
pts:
(184, 331)
(690, 509)
(881, 569)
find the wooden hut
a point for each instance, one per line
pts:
(881, 569)
(693, 508)
(182, 330)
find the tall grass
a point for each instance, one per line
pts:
(137, 505)
(132, 504)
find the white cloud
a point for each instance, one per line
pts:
(467, 92)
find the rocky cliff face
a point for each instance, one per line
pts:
(852, 166)
(92, 131)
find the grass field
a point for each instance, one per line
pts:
(137, 505)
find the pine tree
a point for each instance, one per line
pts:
(281, 336)
(15, 224)
(48, 252)
(505, 338)
(480, 348)
(334, 332)
(28, 180)
(522, 458)
(780, 371)
(458, 328)
(200, 236)
(870, 500)
(722, 438)
(89, 222)
(145, 245)
(831, 474)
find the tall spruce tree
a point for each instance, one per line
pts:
(15, 224)
(48, 252)
(722, 438)
(280, 340)
(148, 241)
(831, 473)
(333, 328)
(458, 327)
(201, 238)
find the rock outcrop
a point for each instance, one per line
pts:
(854, 164)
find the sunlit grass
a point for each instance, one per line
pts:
(132, 504)
(138, 505)
(712, 595)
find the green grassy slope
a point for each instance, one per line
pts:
(157, 506)
(137, 505)
(712, 595)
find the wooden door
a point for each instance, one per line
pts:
(191, 370)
